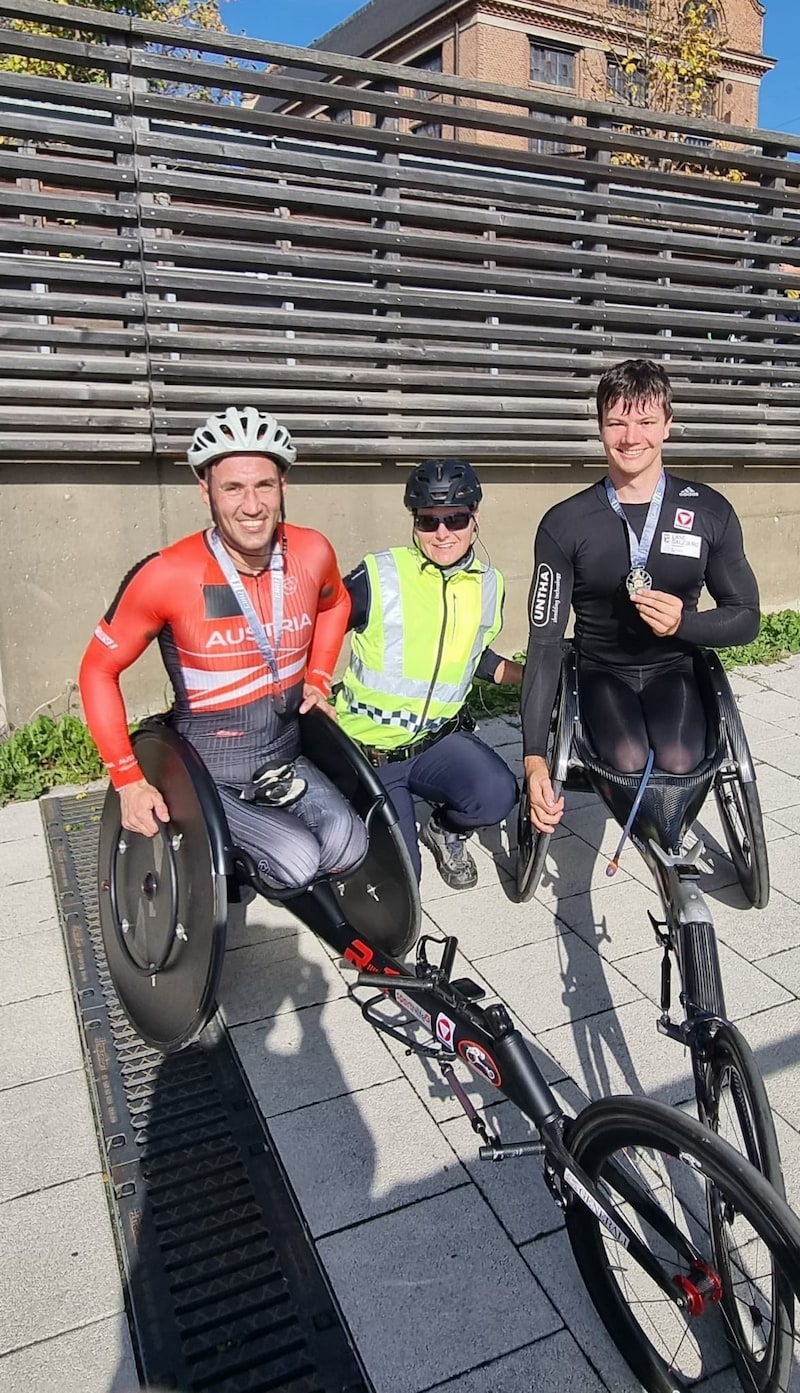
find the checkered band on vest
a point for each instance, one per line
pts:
(404, 720)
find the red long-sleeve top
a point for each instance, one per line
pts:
(223, 686)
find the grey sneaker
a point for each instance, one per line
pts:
(453, 861)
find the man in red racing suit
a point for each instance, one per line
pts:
(238, 692)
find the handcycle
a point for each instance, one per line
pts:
(663, 1217)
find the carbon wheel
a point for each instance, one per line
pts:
(677, 1186)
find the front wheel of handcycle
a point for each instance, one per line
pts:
(727, 1242)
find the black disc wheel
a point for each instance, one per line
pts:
(163, 899)
(738, 1109)
(727, 1246)
(740, 811)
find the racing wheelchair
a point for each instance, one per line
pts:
(677, 1237)
(657, 813)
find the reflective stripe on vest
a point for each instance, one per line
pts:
(391, 679)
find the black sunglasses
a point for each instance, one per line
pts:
(454, 522)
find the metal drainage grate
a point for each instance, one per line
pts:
(224, 1289)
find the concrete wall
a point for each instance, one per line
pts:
(70, 534)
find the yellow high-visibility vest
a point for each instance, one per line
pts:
(412, 665)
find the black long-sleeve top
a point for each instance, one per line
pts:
(582, 558)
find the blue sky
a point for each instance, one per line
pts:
(302, 21)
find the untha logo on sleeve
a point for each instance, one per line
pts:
(545, 599)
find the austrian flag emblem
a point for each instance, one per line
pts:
(684, 519)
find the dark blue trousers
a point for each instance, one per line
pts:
(468, 784)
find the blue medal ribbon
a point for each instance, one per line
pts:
(639, 546)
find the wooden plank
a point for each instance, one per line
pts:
(528, 188)
(248, 256)
(88, 174)
(545, 297)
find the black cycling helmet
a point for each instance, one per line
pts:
(442, 482)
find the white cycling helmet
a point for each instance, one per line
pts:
(240, 430)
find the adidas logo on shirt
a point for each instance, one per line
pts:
(689, 492)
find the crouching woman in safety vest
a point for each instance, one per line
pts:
(422, 619)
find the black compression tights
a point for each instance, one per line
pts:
(627, 716)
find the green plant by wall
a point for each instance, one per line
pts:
(44, 754)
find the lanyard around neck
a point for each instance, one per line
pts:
(269, 651)
(640, 546)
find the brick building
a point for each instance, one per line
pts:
(561, 46)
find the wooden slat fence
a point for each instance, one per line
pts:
(389, 294)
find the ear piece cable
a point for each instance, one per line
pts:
(613, 865)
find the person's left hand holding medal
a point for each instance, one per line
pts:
(660, 611)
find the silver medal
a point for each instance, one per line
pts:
(638, 579)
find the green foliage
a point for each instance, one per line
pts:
(44, 754)
(778, 637)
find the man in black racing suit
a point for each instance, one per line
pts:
(631, 555)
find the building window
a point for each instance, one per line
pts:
(640, 5)
(430, 62)
(630, 88)
(554, 67)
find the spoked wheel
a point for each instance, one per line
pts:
(727, 1242)
(738, 1109)
(740, 812)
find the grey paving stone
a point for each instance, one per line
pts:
(491, 922)
(21, 821)
(38, 1039)
(27, 908)
(32, 966)
(784, 867)
(401, 1278)
(788, 818)
(500, 735)
(364, 1168)
(776, 790)
(555, 982)
(300, 1057)
(96, 1358)
(760, 732)
(23, 860)
(550, 1258)
(756, 933)
(747, 989)
(47, 1134)
(784, 967)
(59, 1264)
(515, 1189)
(770, 705)
(781, 754)
(571, 867)
(553, 1365)
(285, 974)
(621, 1051)
(612, 918)
(774, 1037)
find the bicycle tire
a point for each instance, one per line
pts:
(740, 813)
(603, 1139)
(732, 1073)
